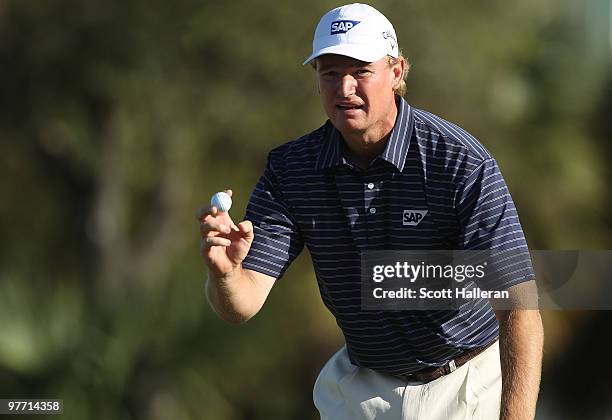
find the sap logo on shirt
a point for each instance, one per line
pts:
(413, 217)
(342, 26)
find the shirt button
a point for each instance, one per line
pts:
(372, 210)
(371, 186)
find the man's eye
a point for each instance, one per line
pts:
(363, 72)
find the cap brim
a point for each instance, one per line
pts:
(354, 51)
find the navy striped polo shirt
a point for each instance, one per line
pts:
(311, 194)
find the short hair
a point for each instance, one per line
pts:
(401, 89)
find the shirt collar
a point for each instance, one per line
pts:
(395, 150)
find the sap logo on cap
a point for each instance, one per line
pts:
(342, 26)
(413, 217)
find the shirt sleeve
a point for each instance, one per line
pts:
(277, 240)
(489, 221)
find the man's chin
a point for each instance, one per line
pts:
(349, 125)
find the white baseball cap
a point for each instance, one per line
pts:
(355, 30)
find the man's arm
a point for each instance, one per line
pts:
(521, 339)
(238, 296)
(235, 294)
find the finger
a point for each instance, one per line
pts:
(206, 211)
(228, 192)
(211, 241)
(246, 229)
(231, 221)
(210, 226)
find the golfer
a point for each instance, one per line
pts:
(380, 174)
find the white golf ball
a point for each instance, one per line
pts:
(221, 201)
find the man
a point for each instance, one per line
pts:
(342, 190)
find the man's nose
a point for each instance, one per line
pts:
(348, 84)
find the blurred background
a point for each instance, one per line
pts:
(118, 119)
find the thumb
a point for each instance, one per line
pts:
(246, 229)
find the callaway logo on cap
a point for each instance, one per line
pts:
(355, 30)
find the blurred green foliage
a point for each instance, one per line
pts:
(119, 119)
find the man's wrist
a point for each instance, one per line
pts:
(222, 277)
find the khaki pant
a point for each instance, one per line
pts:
(344, 391)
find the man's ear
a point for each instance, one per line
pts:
(399, 69)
